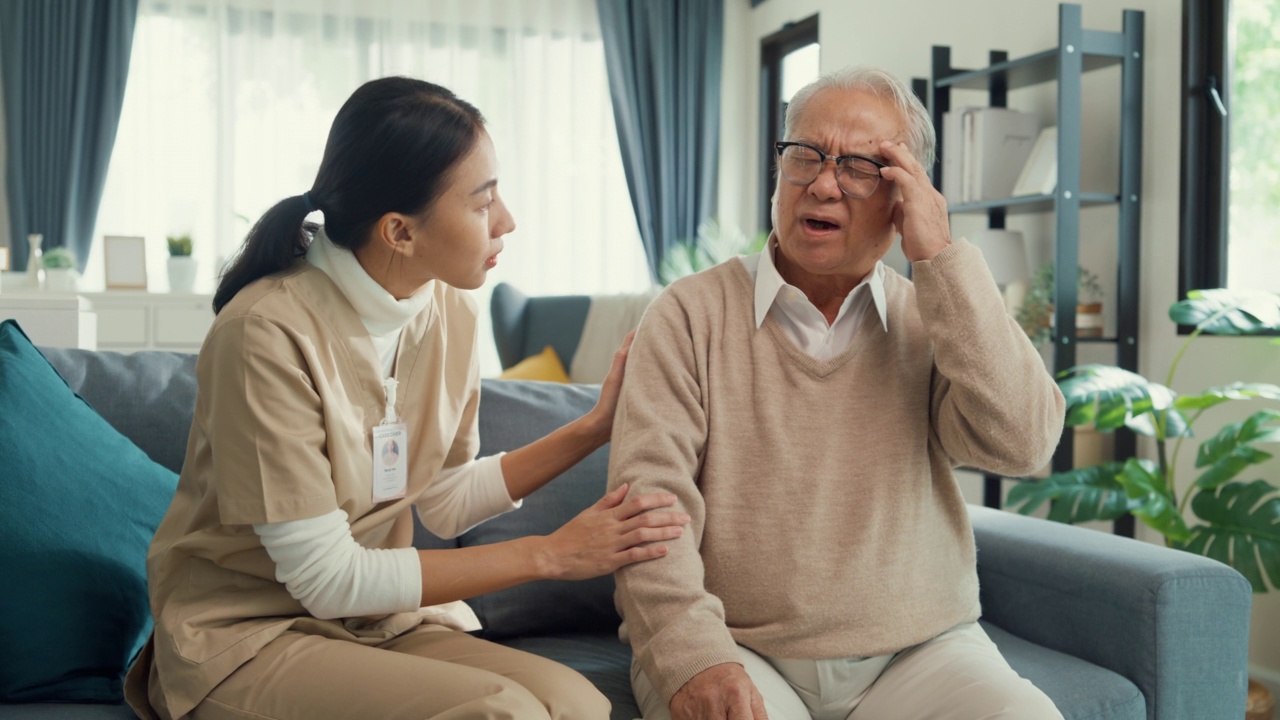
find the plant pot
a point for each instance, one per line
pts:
(1090, 447)
(182, 273)
(1089, 320)
(1261, 704)
(60, 280)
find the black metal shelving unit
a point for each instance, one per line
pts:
(1079, 51)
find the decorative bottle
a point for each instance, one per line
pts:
(35, 264)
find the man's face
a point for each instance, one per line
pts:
(822, 231)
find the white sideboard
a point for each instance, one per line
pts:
(129, 321)
(52, 320)
(120, 320)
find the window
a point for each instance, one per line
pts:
(788, 61)
(1230, 172)
(229, 103)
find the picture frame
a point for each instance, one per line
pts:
(126, 262)
(4, 259)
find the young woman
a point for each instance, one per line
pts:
(338, 393)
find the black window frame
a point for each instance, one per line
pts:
(1206, 142)
(773, 48)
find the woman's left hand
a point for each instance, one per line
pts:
(602, 414)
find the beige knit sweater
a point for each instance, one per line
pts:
(826, 520)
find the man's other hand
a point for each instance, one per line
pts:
(720, 691)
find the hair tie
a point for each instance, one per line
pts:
(306, 198)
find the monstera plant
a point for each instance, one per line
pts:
(1232, 519)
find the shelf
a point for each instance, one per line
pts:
(1101, 49)
(1077, 51)
(1029, 203)
(1096, 339)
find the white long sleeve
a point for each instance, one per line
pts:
(324, 568)
(465, 496)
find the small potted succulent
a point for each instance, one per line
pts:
(181, 265)
(59, 270)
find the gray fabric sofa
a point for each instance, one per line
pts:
(1108, 627)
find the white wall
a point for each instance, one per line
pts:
(898, 36)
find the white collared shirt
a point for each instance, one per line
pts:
(800, 319)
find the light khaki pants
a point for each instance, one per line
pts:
(426, 673)
(959, 675)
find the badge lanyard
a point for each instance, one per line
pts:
(390, 452)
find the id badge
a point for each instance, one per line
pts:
(390, 462)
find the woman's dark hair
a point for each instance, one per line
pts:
(391, 149)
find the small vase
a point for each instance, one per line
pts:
(182, 273)
(35, 269)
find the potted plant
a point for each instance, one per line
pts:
(1234, 520)
(1035, 314)
(714, 244)
(181, 265)
(59, 270)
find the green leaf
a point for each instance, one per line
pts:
(1234, 391)
(1229, 312)
(1144, 483)
(1110, 397)
(1231, 450)
(1175, 424)
(1078, 495)
(1242, 530)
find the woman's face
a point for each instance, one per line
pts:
(457, 240)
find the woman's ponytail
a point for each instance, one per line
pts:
(276, 241)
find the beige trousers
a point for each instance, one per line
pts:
(958, 675)
(426, 673)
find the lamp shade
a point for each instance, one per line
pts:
(1005, 253)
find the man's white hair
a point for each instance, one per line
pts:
(921, 140)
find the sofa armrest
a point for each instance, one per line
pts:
(1174, 623)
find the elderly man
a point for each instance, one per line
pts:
(807, 406)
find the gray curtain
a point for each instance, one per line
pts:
(663, 59)
(64, 64)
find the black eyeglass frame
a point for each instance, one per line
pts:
(782, 145)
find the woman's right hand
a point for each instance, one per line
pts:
(617, 530)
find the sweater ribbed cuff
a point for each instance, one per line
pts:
(677, 675)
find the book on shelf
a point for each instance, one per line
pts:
(986, 149)
(953, 153)
(1039, 174)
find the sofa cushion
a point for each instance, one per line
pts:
(514, 413)
(544, 366)
(1080, 689)
(78, 506)
(147, 396)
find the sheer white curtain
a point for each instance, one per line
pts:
(229, 103)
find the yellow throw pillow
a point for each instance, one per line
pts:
(545, 366)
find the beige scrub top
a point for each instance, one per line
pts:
(289, 389)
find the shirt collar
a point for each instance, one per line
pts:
(769, 284)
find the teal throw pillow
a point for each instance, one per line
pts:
(78, 506)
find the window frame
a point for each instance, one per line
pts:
(773, 48)
(1205, 182)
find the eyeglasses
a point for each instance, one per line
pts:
(801, 164)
